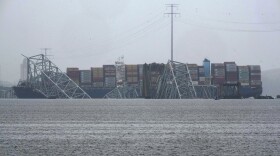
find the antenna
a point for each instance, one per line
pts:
(45, 51)
(172, 13)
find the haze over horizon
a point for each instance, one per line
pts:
(88, 33)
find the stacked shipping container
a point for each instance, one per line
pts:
(74, 74)
(109, 72)
(131, 74)
(151, 73)
(201, 75)
(231, 72)
(243, 75)
(193, 69)
(255, 75)
(97, 77)
(141, 77)
(221, 73)
(218, 73)
(85, 77)
(155, 72)
(140, 72)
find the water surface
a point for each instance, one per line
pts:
(139, 127)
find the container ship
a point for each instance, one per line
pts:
(98, 81)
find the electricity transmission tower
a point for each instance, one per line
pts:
(172, 13)
(176, 81)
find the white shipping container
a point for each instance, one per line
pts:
(231, 68)
(231, 82)
(219, 72)
(243, 78)
(256, 82)
(244, 84)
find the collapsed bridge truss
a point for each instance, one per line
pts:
(45, 77)
(176, 83)
(123, 92)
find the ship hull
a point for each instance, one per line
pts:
(27, 93)
(248, 91)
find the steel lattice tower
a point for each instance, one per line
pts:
(123, 92)
(175, 83)
(45, 77)
(206, 91)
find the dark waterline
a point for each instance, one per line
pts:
(139, 127)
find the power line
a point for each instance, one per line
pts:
(239, 22)
(144, 29)
(129, 39)
(236, 22)
(156, 26)
(154, 16)
(229, 29)
(137, 34)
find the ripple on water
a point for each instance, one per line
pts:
(139, 127)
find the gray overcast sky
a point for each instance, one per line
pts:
(87, 33)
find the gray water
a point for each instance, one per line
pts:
(139, 127)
